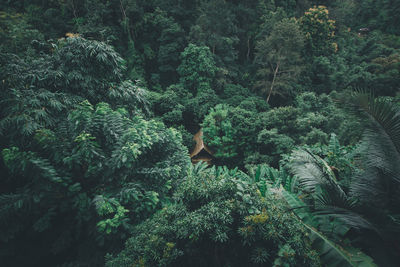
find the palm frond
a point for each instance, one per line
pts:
(312, 172)
(382, 138)
(333, 255)
(377, 185)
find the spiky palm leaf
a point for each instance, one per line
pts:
(377, 186)
(329, 199)
(331, 254)
(313, 173)
(381, 140)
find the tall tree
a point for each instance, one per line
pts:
(216, 28)
(197, 67)
(319, 31)
(278, 56)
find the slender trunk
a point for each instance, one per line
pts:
(122, 9)
(273, 82)
(124, 18)
(248, 48)
(73, 9)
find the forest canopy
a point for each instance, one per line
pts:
(297, 104)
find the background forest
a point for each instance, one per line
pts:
(298, 101)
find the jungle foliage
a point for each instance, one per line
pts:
(298, 102)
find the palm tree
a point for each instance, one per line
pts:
(373, 200)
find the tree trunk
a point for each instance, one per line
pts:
(73, 9)
(248, 48)
(273, 81)
(122, 10)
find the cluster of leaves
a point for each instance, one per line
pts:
(282, 184)
(39, 89)
(319, 30)
(262, 137)
(218, 219)
(99, 170)
(78, 176)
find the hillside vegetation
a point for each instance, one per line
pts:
(297, 104)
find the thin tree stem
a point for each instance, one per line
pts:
(273, 81)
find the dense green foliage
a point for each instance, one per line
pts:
(366, 201)
(218, 220)
(262, 137)
(100, 99)
(99, 170)
(278, 57)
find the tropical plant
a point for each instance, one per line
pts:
(371, 204)
(219, 133)
(216, 220)
(377, 186)
(197, 67)
(85, 183)
(285, 186)
(38, 91)
(281, 184)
